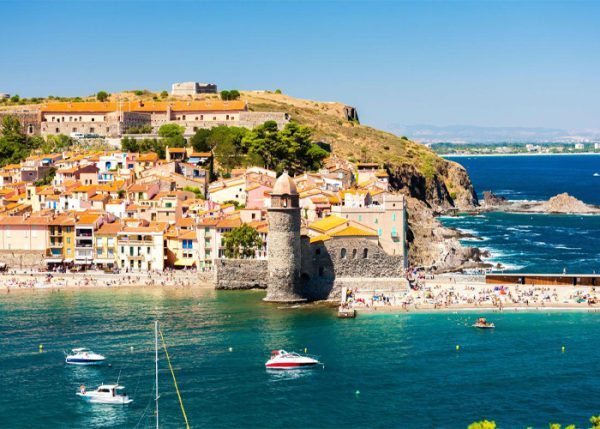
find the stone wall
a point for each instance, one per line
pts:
(240, 274)
(17, 259)
(326, 268)
(31, 119)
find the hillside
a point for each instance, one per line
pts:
(431, 183)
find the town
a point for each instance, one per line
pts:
(134, 186)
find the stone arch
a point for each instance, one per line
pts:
(343, 253)
(365, 253)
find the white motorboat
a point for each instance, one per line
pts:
(83, 356)
(280, 359)
(482, 323)
(105, 394)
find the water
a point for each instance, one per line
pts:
(405, 366)
(536, 243)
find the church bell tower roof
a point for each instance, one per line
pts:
(285, 185)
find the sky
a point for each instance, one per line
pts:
(484, 63)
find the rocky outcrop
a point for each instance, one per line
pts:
(450, 187)
(492, 200)
(565, 203)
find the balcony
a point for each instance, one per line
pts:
(126, 242)
(56, 245)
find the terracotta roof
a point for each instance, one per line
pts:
(177, 150)
(229, 223)
(143, 106)
(109, 229)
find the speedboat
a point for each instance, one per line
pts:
(83, 356)
(280, 359)
(105, 394)
(482, 323)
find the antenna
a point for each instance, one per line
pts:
(156, 367)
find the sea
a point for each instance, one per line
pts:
(540, 243)
(417, 370)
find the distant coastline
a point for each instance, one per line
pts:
(463, 155)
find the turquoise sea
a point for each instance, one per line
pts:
(536, 243)
(405, 366)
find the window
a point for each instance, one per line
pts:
(365, 253)
(68, 250)
(122, 249)
(354, 252)
(99, 252)
(111, 252)
(99, 242)
(343, 253)
(110, 242)
(393, 217)
(68, 240)
(376, 221)
(360, 218)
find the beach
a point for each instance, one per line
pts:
(464, 292)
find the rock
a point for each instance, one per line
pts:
(565, 203)
(491, 199)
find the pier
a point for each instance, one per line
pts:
(544, 279)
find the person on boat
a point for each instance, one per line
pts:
(82, 389)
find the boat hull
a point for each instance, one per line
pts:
(291, 365)
(92, 399)
(76, 361)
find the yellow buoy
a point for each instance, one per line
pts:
(41, 348)
(563, 349)
(457, 347)
(305, 350)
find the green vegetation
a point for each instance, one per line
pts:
(164, 94)
(172, 135)
(278, 91)
(233, 94)
(56, 143)
(195, 190)
(235, 203)
(102, 96)
(129, 144)
(242, 242)
(15, 146)
(47, 179)
(144, 129)
(510, 148)
(485, 424)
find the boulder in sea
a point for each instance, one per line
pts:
(565, 203)
(491, 199)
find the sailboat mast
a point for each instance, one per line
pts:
(156, 367)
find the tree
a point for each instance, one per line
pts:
(242, 242)
(199, 141)
(233, 94)
(164, 94)
(197, 191)
(15, 98)
(47, 178)
(102, 96)
(170, 130)
(15, 146)
(172, 135)
(129, 144)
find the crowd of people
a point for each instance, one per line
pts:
(455, 292)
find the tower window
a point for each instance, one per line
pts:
(365, 253)
(354, 252)
(343, 253)
(317, 251)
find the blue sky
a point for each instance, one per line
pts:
(429, 62)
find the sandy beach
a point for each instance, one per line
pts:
(470, 293)
(40, 281)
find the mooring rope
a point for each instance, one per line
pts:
(187, 425)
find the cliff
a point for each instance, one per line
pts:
(432, 184)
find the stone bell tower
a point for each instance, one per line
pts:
(284, 242)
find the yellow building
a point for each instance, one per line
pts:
(105, 246)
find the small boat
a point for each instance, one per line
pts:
(83, 356)
(105, 394)
(280, 359)
(596, 175)
(482, 323)
(346, 313)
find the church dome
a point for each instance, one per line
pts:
(285, 186)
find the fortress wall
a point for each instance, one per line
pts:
(240, 274)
